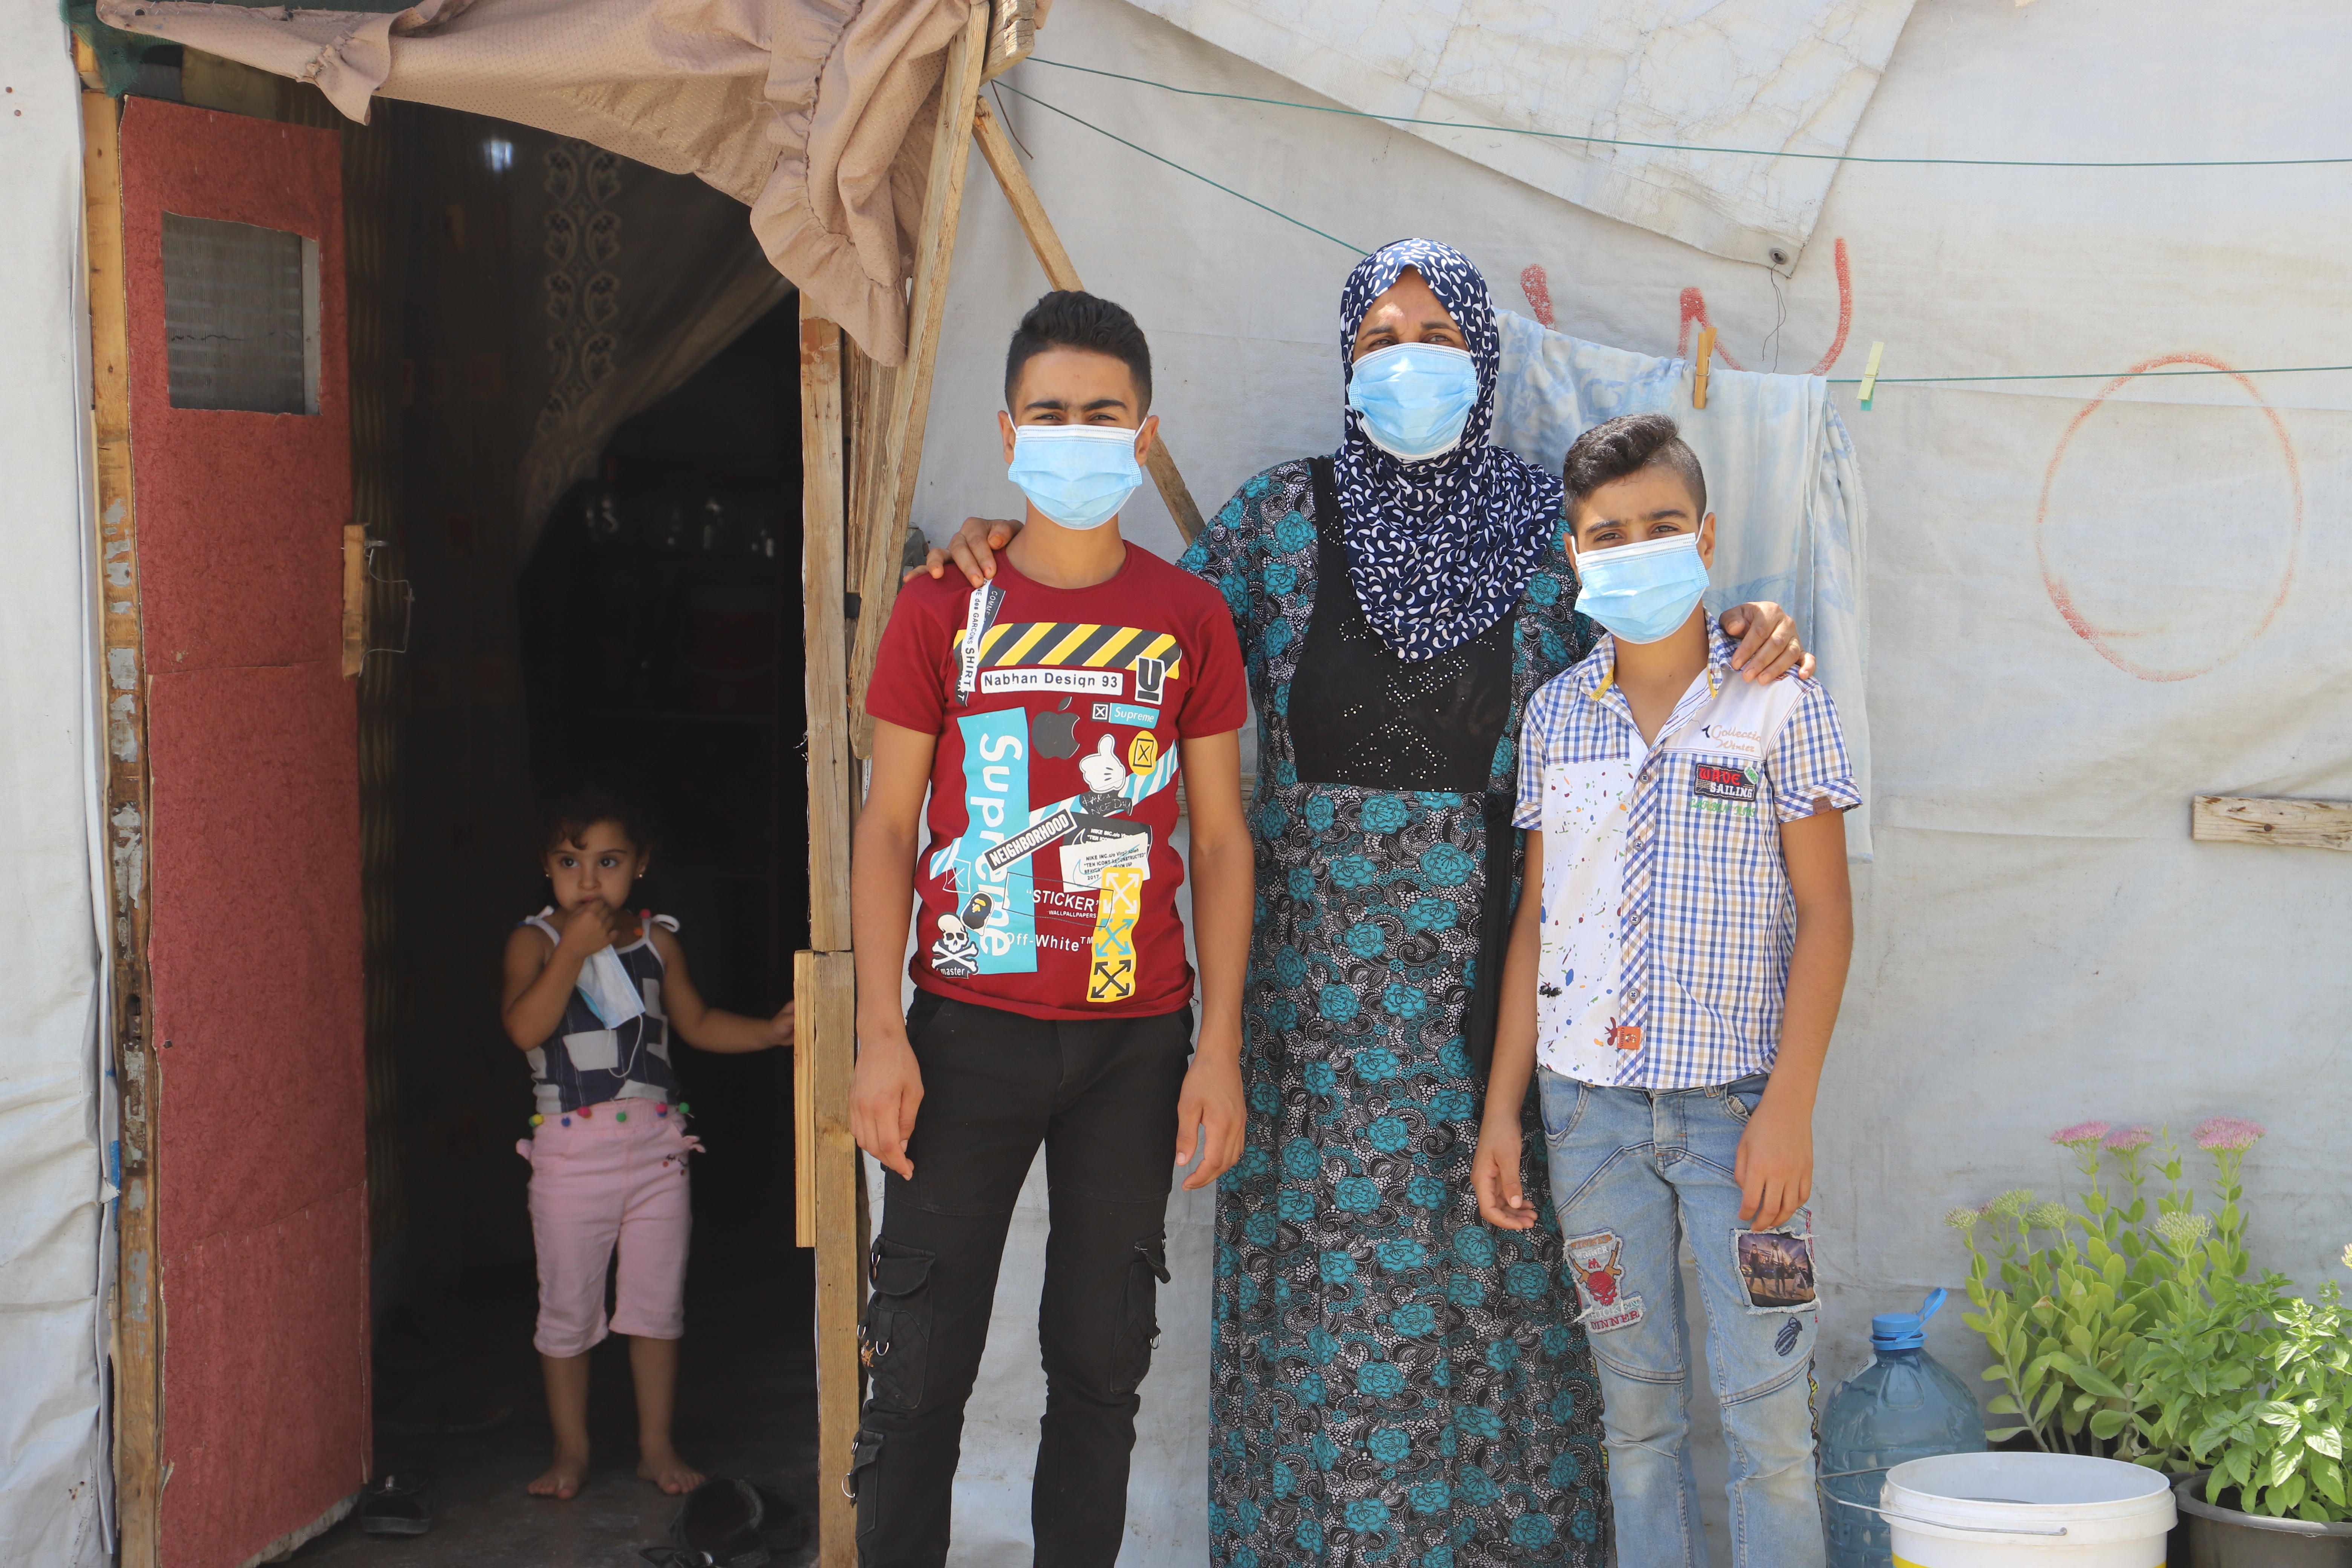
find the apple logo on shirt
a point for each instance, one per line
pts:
(1054, 734)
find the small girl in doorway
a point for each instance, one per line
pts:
(592, 992)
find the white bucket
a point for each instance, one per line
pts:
(2026, 1511)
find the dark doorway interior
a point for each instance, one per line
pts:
(647, 634)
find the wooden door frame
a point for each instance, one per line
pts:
(138, 1308)
(136, 1314)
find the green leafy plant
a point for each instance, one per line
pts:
(2281, 1446)
(2128, 1325)
(2096, 1313)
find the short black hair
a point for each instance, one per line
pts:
(1617, 449)
(568, 814)
(1073, 319)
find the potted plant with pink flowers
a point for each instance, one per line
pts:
(2127, 1323)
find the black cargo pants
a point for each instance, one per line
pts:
(1101, 1096)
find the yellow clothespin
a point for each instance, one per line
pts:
(1706, 355)
(1870, 374)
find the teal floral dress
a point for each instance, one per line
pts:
(1393, 1381)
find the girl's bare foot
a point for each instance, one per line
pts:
(563, 1478)
(663, 1468)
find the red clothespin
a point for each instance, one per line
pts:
(1706, 354)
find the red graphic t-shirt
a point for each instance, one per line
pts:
(1048, 887)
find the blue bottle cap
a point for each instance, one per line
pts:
(1905, 1331)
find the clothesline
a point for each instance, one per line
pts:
(1683, 147)
(2085, 374)
(1834, 381)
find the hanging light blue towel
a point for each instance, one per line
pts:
(1780, 478)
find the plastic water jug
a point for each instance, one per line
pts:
(1906, 1404)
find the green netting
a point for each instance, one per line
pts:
(120, 54)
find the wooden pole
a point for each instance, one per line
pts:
(862, 444)
(891, 499)
(138, 1288)
(1012, 36)
(830, 998)
(824, 1047)
(824, 613)
(1004, 161)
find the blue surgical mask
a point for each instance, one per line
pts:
(604, 984)
(1077, 475)
(1414, 397)
(1641, 593)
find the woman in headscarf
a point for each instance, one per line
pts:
(1394, 1382)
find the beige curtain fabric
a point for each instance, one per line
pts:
(810, 111)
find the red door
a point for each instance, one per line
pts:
(241, 451)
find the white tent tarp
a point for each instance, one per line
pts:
(2039, 941)
(1793, 75)
(54, 1475)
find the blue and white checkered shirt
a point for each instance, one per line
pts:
(1667, 915)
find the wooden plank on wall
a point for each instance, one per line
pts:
(2287, 823)
(138, 1328)
(354, 598)
(1004, 163)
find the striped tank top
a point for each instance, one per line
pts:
(585, 1063)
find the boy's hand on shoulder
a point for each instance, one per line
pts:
(972, 551)
(1210, 1111)
(884, 1095)
(1774, 1166)
(1495, 1176)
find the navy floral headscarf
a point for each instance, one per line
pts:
(1439, 549)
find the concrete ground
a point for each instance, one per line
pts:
(747, 1402)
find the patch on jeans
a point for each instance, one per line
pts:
(1786, 1340)
(1776, 1270)
(1593, 1263)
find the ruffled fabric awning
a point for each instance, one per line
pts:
(813, 113)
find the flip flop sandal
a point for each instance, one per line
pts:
(398, 1505)
(718, 1528)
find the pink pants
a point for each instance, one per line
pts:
(598, 1181)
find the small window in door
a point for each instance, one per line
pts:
(240, 316)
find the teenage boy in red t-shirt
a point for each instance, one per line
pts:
(1046, 712)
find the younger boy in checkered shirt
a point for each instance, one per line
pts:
(1673, 972)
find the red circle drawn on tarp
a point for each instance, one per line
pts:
(2061, 597)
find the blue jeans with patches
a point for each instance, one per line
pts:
(1633, 1172)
